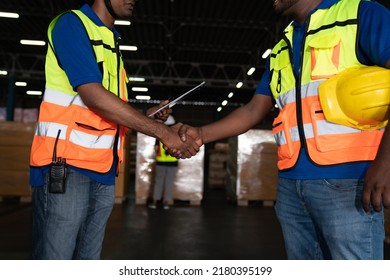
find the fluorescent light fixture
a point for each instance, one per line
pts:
(230, 95)
(251, 71)
(266, 54)
(239, 84)
(33, 42)
(9, 15)
(142, 97)
(34, 92)
(219, 109)
(142, 89)
(3, 73)
(136, 79)
(224, 103)
(122, 22)
(20, 84)
(128, 48)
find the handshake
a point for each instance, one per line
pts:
(184, 141)
(179, 140)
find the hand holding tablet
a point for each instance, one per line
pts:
(178, 99)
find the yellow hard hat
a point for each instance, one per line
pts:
(358, 97)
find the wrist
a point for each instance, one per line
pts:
(201, 135)
(164, 133)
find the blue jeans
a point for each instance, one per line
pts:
(71, 225)
(324, 219)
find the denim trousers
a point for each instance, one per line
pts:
(324, 219)
(71, 225)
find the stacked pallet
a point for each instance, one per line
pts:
(188, 184)
(123, 180)
(217, 166)
(15, 145)
(251, 168)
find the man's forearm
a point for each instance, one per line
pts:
(115, 110)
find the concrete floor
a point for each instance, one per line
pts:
(217, 230)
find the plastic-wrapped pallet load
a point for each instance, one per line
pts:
(188, 185)
(251, 167)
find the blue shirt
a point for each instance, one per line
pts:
(373, 49)
(76, 56)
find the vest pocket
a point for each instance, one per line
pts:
(332, 137)
(325, 56)
(282, 136)
(281, 74)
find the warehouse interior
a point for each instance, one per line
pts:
(224, 197)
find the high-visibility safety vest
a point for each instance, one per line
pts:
(162, 155)
(329, 48)
(84, 139)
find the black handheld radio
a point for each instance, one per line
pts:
(58, 170)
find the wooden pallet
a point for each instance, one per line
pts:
(187, 202)
(22, 199)
(266, 203)
(177, 202)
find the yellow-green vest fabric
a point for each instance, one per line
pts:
(162, 155)
(85, 139)
(329, 48)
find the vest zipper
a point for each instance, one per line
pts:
(115, 148)
(279, 85)
(298, 92)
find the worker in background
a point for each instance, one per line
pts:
(165, 174)
(333, 179)
(78, 144)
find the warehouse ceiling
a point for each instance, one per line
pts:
(180, 44)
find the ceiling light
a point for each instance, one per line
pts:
(9, 15)
(219, 109)
(33, 42)
(239, 84)
(142, 97)
(266, 54)
(142, 89)
(224, 103)
(128, 48)
(34, 92)
(251, 71)
(230, 95)
(20, 84)
(122, 22)
(3, 73)
(136, 79)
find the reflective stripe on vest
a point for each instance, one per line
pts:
(329, 49)
(59, 98)
(86, 140)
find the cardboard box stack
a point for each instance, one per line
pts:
(122, 181)
(217, 165)
(251, 167)
(15, 145)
